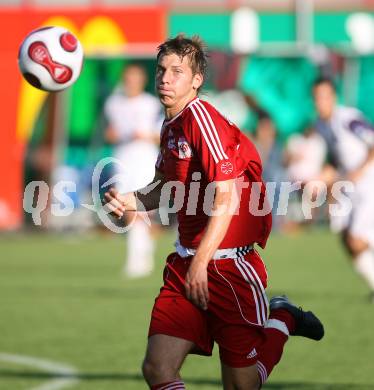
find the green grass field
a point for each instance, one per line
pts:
(62, 299)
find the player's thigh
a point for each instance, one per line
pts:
(355, 243)
(239, 345)
(174, 315)
(361, 227)
(237, 290)
(238, 309)
(177, 327)
(165, 355)
(242, 378)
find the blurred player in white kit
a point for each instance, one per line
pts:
(134, 130)
(350, 142)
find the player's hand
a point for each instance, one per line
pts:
(142, 136)
(115, 203)
(111, 136)
(196, 284)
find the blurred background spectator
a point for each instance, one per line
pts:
(304, 158)
(270, 50)
(271, 152)
(134, 131)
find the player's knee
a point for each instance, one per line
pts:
(255, 385)
(158, 371)
(250, 381)
(150, 370)
(356, 245)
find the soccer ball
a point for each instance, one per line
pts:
(50, 58)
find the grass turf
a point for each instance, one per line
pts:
(62, 298)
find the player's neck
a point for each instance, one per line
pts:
(171, 112)
(133, 94)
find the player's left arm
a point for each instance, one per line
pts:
(196, 282)
(146, 198)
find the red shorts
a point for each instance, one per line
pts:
(237, 309)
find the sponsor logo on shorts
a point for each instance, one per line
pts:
(252, 354)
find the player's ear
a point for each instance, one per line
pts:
(197, 81)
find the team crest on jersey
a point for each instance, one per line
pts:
(227, 167)
(184, 148)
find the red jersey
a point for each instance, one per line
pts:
(200, 146)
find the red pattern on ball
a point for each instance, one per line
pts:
(40, 54)
(68, 42)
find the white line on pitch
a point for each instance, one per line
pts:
(51, 367)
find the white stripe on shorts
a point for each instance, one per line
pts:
(255, 296)
(262, 289)
(262, 371)
(234, 293)
(256, 282)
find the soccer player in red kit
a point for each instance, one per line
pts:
(214, 283)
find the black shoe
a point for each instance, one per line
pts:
(307, 324)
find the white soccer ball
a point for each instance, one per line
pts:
(50, 58)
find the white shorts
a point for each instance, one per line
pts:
(361, 220)
(137, 168)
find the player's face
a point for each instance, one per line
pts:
(175, 82)
(134, 80)
(325, 100)
(265, 132)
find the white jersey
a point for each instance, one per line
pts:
(127, 116)
(349, 138)
(309, 153)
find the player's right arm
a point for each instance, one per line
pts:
(147, 198)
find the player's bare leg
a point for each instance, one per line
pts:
(354, 245)
(243, 378)
(164, 358)
(363, 259)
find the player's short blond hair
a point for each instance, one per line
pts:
(194, 48)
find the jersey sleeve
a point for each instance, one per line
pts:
(363, 130)
(213, 140)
